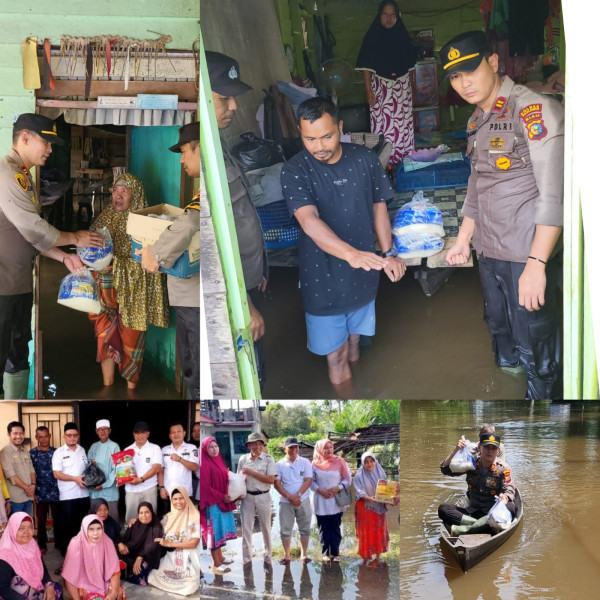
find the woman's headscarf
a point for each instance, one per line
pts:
(90, 566)
(25, 559)
(214, 478)
(179, 521)
(142, 296)
(365, 483)
(139, 538)
(387, 52)
(331, 463)
(111, 527)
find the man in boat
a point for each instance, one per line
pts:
(492, 477)
(489, 428)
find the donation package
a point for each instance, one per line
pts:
(79, 291)
(463, 460)
(98, 258)
(499, 517)
(124, 466)
(387, 490)
(237, 485)
(418, 228)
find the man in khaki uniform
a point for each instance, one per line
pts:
(184, 294)
(23, 234)
(261, 472)
(18, 469)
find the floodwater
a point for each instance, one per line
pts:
(553, 450)
(69, 366)
(424, 347)
(347, 580)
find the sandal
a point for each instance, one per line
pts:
(220, 570)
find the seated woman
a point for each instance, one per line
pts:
(370, 515)
(23, 574)
(99, 507)
(131, 299)
(179, 571)
(138, 549)
(91, 565)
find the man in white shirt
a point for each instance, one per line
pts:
(148, 464)
(179, 460)
(68, 465)
(294, 476)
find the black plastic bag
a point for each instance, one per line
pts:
(93, 476)
(257, 153)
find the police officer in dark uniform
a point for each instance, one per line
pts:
(492, 477)
(513, 210)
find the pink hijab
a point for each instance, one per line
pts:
(25, 559)
(331, 463)
(214, 479)
(90, 566)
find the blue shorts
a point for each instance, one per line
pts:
(326, 334)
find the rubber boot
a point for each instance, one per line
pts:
(16, 384)
(475, 527)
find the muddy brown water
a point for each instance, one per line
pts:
(424, 347)
(554, 451)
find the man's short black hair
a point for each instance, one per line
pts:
(42, 428)
(12, 424)
(175, 423)
(314, 108)
(70, 425)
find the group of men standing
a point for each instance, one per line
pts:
(54, 477)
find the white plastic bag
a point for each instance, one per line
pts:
(98, 258)
(237, 485)
(499, 517)
(463, 460)
(79, 291)
(418, 216)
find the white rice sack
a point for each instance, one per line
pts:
(430, 228)
(463, 460)
(98, 258)
(79, 291)
(418, 245)
(499, 517)
(237, 485)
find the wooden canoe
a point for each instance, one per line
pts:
(470, 548)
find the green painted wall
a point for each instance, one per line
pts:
(160, 171)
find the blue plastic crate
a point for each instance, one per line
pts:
(279, 230)
(182, 268)
(444, 175)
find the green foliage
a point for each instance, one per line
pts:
(275, 445)
(281, 421)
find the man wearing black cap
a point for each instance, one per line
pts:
(148, 464)
(492, 477)
(184, 293)
(513, 211)
(23, 234)
(225, 83)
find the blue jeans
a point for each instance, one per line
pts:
(21, 507)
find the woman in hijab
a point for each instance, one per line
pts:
(179, 570)
(138, 549)
(370, 515)
(216, 506)
(99, 507)
(23, 574)
(131, 299)
(385, 57)
(91, 565)
(330, 475)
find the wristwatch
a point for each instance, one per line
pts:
(391, 252)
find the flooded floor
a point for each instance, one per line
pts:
(553, 450)
(424, 348)
(347, 580)
(69, 365)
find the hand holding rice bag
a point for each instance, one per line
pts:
(463, 460)
(98, 258)
(237, 485)
(499, 517)
(124, 466)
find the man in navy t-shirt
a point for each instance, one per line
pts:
(338, 194)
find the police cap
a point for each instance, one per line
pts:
(43, 126)
(488, 439)
(224, 75)
(464, 52)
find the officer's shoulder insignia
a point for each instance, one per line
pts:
(472, 125)
(195, 204)
(531, 115)
(507, 476)
(25, 170)
(22, 181)
(499, 105)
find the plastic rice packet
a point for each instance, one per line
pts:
(125, 468)
(463, 460)
(418, 216)
(79, 291)
(499, 517)
(415, 245)
(98, 258)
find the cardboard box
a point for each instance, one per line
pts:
(387, 490)
(145, 231)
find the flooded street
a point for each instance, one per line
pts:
(416, 336)
(553, 450)
(347, 580)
